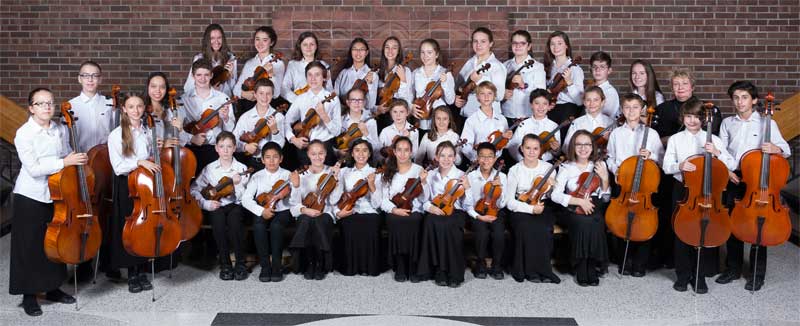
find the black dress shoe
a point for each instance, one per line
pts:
(320, 275)
(59, 296)
(277, 273)
(240, 272)
(681, 285)
(453, 283)
(133, 285)
(496, 273)
(552, 278)
(518, 279)
(594, 283)
(115, 275)
(415, 279)
(638, 273)
(480, 270)
(754, 286)
(226, 273)
(728, 276)
(32, 307)
(583, 283)
(533, 278)
(701, 287)
(265, 275)
(441, 279)
(144, 282)
(400, 277)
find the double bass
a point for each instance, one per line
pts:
(392, 83)
(631, 215)
(184, 164)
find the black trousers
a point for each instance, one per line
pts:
(685, 256)
(638, 252)
(486, 234)
(270, 242)
(31, 271)
(734, 261)
(226, 223)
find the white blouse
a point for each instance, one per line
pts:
(194, 106)
(437, 183)
(348, 177)
(347, 78)
(685, 144)
(226, 87)
(427, 147)
(567, 182)
(308, 101)
(41, 152)
(261, 182)
(536, 127)
(391, 131)
(573, 93)
(611, 106)
(476, 182)
(448, 87)
(94, 120)
(625, 142)
(519, 105)
(740, 136)
(308, 184)
(586, 122)
(477, 129)
(496, 74)
(520, 181)
(278, 70)
(142, 145)
(397, 185)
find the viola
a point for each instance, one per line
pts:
(588, 182)
(311, 120)
(352, 133)
(470, 85)
(701, 220)
(325, 185)
(224, 187)
(261, 130)
(411, 190)
(631, 215)
(559, 84)
(153, 229)
(510, 85)
(487, 205)
(73, 235)
(184, 164)
(360, 189)
(541, 185)
(453, 190)
(362, 84)
(208, 120)
(260, 73)
(433, 92)
(548, 137)
(392, 82)
(760, 218)
(496, 137)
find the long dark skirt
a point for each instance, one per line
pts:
(442, 248)
(587, 234)
(404, 233)
(31, 271)
(361, 239)
(313, 239)
(117, 256)
(533, 244)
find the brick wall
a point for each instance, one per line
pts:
(42, 43)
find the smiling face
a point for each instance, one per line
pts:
(308, 46)
(215, 38)
(485, 96)
(391, 49)
(316, 153)
(593, 102)
(134, 108)
(157, 88)
(639, 75)
(442, 121)
(481, 44)
(540, 106)
(89, 78)
(263, 95)
(583, 147)
(486, 159)
(743, 102)
(315, 78)
(520, 46)
(262, 42)
(632, 110)
(428, 54)
(530, 149)
(359, 52)
(558, 47)
(402, 151)
(446, 157)
(692, 122)
(682, 88)
(202, 77)
(361, 154)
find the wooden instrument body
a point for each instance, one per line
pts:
(100, 164)
(696, 206)
(411, 191)
(496, 138)
(534, 195)
(349, 198)
(260, 131)
(487, 205)
(636, 202)
(72, 219)
(310, 121)
(585, 189)
(302, 90)
(344, 140)
(759, 201)
(453, 190)
(222, 189)
(280, 190)
(191, 216)
(559, 84)
(470, 85)
(208, 120)
(153, 228)
(325, 186)
(433, 92)
(599, 139)
(220, 75)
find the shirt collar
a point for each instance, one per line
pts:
(86, 99)
(755, 116)
(39, 129)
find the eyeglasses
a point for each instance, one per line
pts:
(43, 104)
(599, 67)
(356, 100)
(583, 144)
(89, 76)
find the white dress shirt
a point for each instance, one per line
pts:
(611, 104)
(372, 127)
(247, 122)
(519, 105)
(496, 74)
(194, 106)
(295, 78)
(391, 131)
(427, 147)
(567, 182)
(685, 144)
(94, 120)
(348, 177)
(278, 69)
(476, 182)
(520, 181)
(625, 142)
(477, 129)
(398, 185)
(437, 183)
(536, 127)
(347, 78)
(41, 152)
(421, 81)
(226, 87)
(142, 146)
(261, 182)
(211, 175)
(308, 184)
(406, 87)
(308, 101)
(586, 122)
(573, 93)
(740, 136)
(659, 96)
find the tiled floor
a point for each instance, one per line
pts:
(194, 297)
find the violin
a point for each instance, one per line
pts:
(411, 191)
(261, 130)
(311, 120)
(470, 85)
(559, 84)
(220, 75)
(496, 137)
(631, 215)
(73, 235)
(184, 164)
(100, 163)
(701, 220)
(352, 133)
(280, 190)
(208, 120)
(548, 137)
(453, 190)
(487, 205)
(588, 182)
(542, 185)
(388, 150)
(392, 82)
(325, 185)
(599, 133)
(153, 229)
(223, 188)
(260, 73)
(362, 84)
(360, 189)
(433, 92)
(760, 218)
(510, 85)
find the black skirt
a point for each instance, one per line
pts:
(587, 234)
(314, 233)
(533, 243)
(361, 244)
(442, 248)
(31, 271)
(117, 256)
(404, 234)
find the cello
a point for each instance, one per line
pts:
(487, 205)
(759, 218)
(631, 215)
(392, 82)
(433, 92)
(183, 164)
